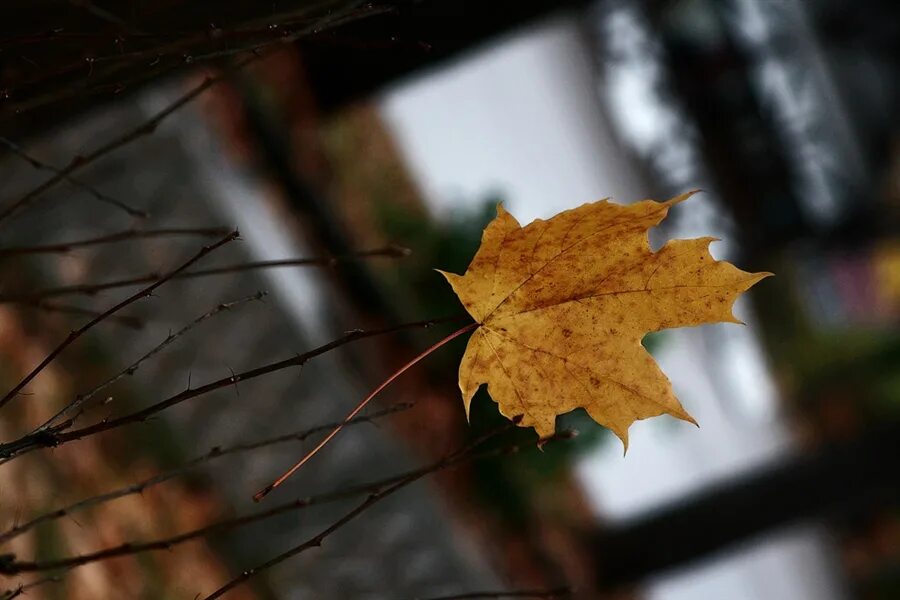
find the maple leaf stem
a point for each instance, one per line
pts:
(265, 491)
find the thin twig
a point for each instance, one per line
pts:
(82, 399)
(377, 494)
(59, 435)
(89, 289)
(145, 128)
(259, 26)
(274, 30)
(281, 479)
(50, 306)
(150, 125)
(550, 594)
(129, 234)
(376, 491)
(74, 335)
(277, 32)
(97, 194)
(211, 455)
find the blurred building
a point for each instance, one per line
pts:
(406, 127)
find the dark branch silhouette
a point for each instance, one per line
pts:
(58, 434)
(129, 234)
(187, 48)
(89, 289)
(82, 399)
(253, 50)
(50, 306)
(211, 455)
(74, 335)
(94, 192)
(145, 128)
(375, 490)
(377, 494)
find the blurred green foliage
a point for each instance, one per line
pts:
(860, 364)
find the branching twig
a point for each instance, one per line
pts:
(89, 289)
(74, 335)
(82, 399)
(365, 401)
(550, 594)
(98, 195)
(280, 30)
(130, 234)
(254, 53)
(378, 493)
(50, 306)
(211, 455)
(376, 490)
(275, 31)
(58, 435)
(145, 128)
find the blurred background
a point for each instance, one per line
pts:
(326, 129)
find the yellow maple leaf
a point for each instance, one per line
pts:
(562, 306)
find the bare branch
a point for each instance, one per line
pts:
(265, 26)
(50, 306)
(58, 434)
(213, 454)
(145, 128)
(82, 399)
(129, 234)
(94, 192)
(297, 465)
(74, 335)
(273, 31)
(88, 289)
(376, 491)
(331, 19)
(560, 592)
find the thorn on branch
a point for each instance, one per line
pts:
(24, 445)
(98, 319)
(378, 492)
(213, 454)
